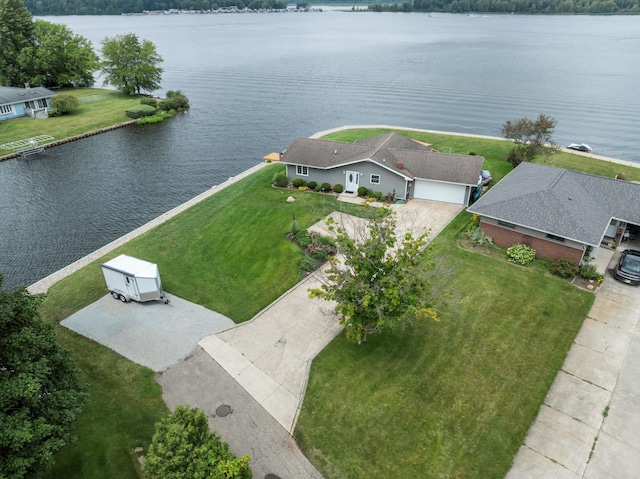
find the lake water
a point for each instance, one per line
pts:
(257, 81)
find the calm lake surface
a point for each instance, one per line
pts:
(257, 81)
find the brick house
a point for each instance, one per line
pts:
(557, 212)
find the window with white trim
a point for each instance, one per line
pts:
(302, 170)
(6, 109)
(375, 179)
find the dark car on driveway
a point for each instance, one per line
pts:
(628, 267)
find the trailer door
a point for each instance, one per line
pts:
(132, 290)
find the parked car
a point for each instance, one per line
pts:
(580, 147)
(628, 267)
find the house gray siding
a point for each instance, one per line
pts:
(389, 182)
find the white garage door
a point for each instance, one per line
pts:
(435, 191)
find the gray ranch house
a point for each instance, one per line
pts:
(390, 163)
(557, 212)
(18, 102)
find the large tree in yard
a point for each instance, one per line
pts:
(381, 281)
(40, 390)
(130, 65)
(16, 33)
(58, 57)
(531, 138)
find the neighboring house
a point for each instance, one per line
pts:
(390, 164)
(17, 102)
(559, 213)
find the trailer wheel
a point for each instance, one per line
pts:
(122, 298)
(115, 295)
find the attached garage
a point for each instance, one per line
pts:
(439, 191)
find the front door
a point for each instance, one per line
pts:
(352, 182)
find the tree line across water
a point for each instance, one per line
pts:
(117, 7)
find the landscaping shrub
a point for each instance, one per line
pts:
(303, 239)
(149, 101)
(140, 111)
(308, 264)
(148, 120)
(377, 195)
(589, 271)
(326, 186)
(298, 182)
(318, 188)
(477, 236)
(363, 191)
(566, 268)
(53, 112)
(64, 103)
(281, 179)
(312, 185)
(175, 101)
(521, 254)
(338, 188)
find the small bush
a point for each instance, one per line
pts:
(308, 264)
(175, 101)
(318, 188)
(338, 188)
(521, 254)
(65, 103)
(589, 271)
(140, 111)
(312, 185)
(476, 235)
(326, 186)
(298, 182)
(149, 101)
(363, 191)
(564, 267)
(281, 179)
(303, 238)
(53, 112)
(148, 120)
(377, 195)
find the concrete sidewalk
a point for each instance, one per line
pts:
(589, 424)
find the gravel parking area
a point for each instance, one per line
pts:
(152, 334)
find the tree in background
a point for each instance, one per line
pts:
(130, 65)
(184, 448)
(384, 282)
(40, 390)
(531, 138)
(16, 33)
(58, 57)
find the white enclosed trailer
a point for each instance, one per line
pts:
(130, 278)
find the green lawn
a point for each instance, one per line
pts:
(99, 108)
(453, 398)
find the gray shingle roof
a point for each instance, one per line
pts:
(386, 150)
(564, 203)
(10, 95)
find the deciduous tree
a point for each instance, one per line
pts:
(16, 33)
(382, 282)
(184, 448)
(40, 390)
(131, 65)
(531, 137)
(58, 57)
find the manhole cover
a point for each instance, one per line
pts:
(223, 410)
(271, 476)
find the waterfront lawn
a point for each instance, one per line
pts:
(99, 108)
(230, 254)
(448, 399)
(495, 153)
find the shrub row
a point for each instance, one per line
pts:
(282, 180)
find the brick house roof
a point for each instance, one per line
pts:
(561, 202)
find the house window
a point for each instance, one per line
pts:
(34, 105)
(556, 238)
(6, 109)
(302, 170)
(375, 179)
(507, 225)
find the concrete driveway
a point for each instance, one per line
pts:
(270, 356)
(589, 424)
(152, 334)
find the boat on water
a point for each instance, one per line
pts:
(580, 147)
